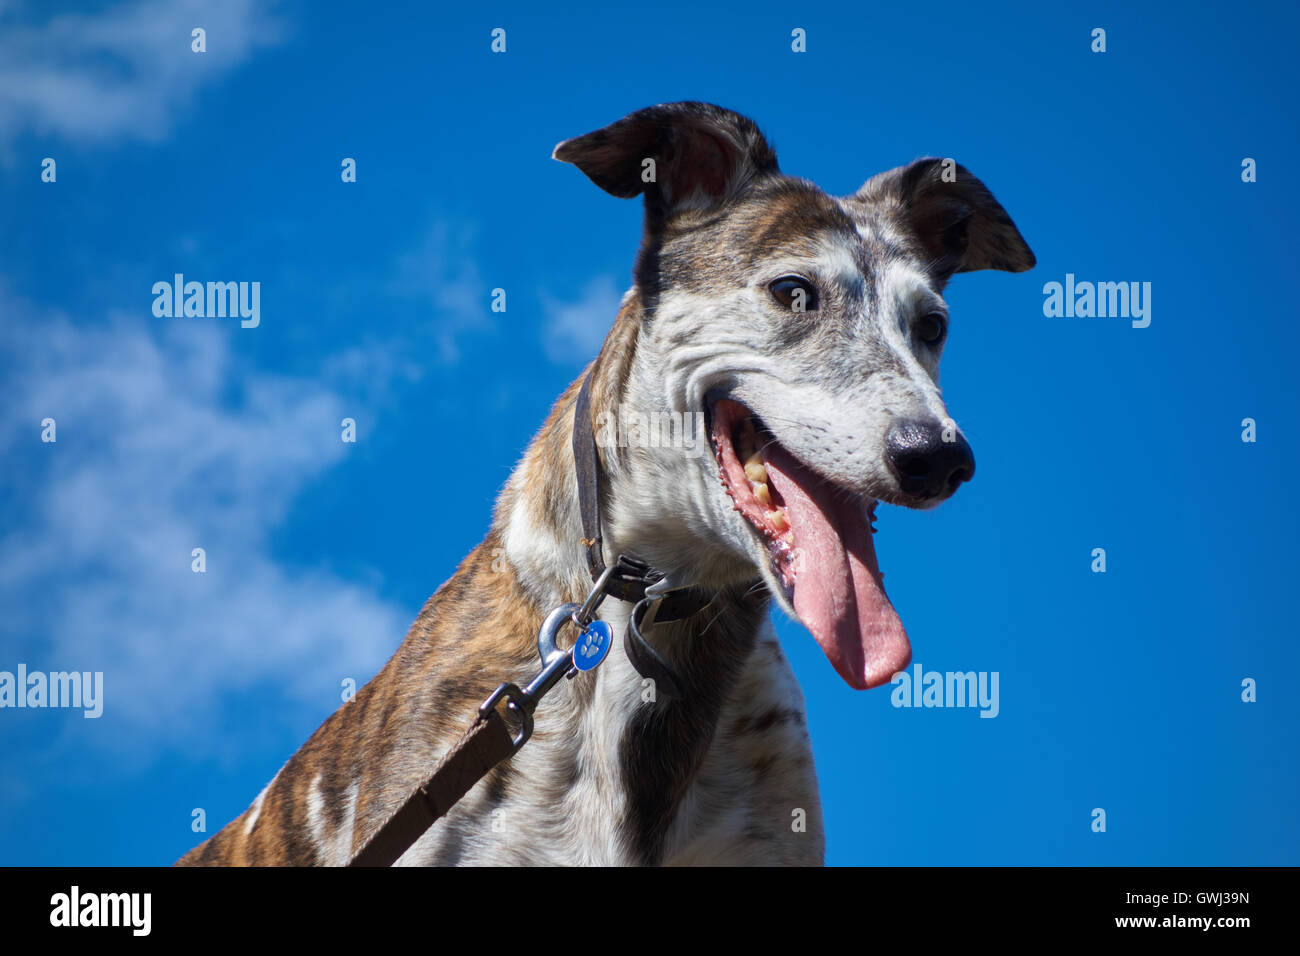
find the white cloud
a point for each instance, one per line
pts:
(124, 71)
(575, 330)
(166, 444)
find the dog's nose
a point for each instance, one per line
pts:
(926, 465)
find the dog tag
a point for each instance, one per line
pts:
(592, 645)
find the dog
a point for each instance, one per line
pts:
(806, 330)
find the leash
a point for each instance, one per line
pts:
(490, 740)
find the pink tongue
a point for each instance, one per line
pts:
(838, 592)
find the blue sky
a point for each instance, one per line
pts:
(1119, 690)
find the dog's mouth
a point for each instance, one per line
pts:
(819, 542)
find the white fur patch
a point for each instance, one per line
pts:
(333, 847)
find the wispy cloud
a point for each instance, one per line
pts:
(575, 329)
(166, 443)
(440, 273)
(124, 71)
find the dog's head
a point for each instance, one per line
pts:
(808, 330)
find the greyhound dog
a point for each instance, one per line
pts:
(806, 331)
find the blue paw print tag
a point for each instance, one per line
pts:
(592, 645)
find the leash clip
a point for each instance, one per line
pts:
(591, 647)
(519, 704)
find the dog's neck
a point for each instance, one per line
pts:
(645, 495)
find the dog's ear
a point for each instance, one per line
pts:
(953, 216)
(681, 155)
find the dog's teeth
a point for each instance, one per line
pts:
(788, 537)
(755, 471)
(778, 519)
(763, 495)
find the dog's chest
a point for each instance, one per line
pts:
(614, 776)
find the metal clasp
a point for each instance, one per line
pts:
(517, 703)
(557, 662)
(546, 648)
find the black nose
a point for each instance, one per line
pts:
(926, 465)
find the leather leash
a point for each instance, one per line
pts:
(489, 740)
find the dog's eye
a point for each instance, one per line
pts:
(931, 328)
(794, 293)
